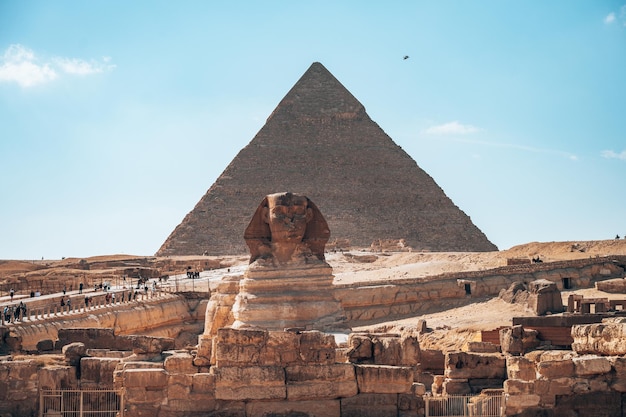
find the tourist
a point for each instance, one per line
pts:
(62, 302)
(80, 288)
(64, 289)
(32, 294)
(12, 293)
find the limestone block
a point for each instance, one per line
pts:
(519, 367)
(317, 348)
(250, 383)
(150, 378)
(148, 344)
(370, 405)
(384, 379)
(456, 387)
(517, 403)
(320, 381)
(555, 369)
(179, 386)
(410, 405)
(619, 381)
(327, 408)
(465, 365)
(591, 365)
(98, 370)
(193, 404)
(204, 351)
(517, 387)
(144, 397)
(73, 352)
(239, 346)
(387, 350)
(617, 285)
(432, 360)
(282, 348)
(418, 389)
(203, 383)
(179, 362)
(399, 351)
(55, 377)
(360, 348)
(601, 339)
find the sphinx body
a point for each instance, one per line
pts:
(288, 284)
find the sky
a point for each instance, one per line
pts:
(116, 117)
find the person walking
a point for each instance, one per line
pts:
(12, 293)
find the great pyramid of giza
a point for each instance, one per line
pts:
(320, 142)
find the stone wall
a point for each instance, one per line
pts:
(170, 315)
(384, 300)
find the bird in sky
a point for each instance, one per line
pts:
(406, 57)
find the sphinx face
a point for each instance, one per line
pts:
(287, 217)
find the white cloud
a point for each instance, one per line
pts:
(79, 67)
(19, 64)
(615, 17)
(614, 155)
(451, 128)
(610, 18)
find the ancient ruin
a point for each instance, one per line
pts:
(140, 355)
(320, 141)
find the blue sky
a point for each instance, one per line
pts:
(116, 117)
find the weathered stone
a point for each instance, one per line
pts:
(519, 367)
(555, 369)
(73, 352)
(149, 378)
(384, 379)
(370, 405)
(601, 339)
(204, 351)
(179, 362)
(249, 383)
(544, 297)
(464, 365)
(325, 408)
(98, 370)
(591, 365)
(456, 387)
(320, 382)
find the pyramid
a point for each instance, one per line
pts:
(320, 142)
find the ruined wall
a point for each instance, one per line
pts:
(383, 300)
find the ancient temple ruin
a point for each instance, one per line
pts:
(320, 141)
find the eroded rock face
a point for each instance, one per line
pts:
(601, 338)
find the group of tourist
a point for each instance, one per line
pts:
(13, 313)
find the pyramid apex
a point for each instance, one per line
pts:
(318, 95)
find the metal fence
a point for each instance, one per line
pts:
(491, 404)
(81, 403)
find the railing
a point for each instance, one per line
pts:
(81, 403)
(78, 305)
(490, 404)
